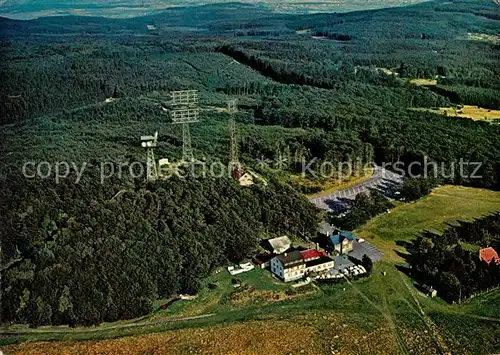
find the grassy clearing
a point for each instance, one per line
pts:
(483, 37)
(467, 111)
(303, 32)
(327, 186)
(450, 325)
(387, 71)
(252, 337)
(423, 82)
(214, 300)
(469, 335)
(445, 204)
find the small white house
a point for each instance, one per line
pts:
(246, 180)
(280, 245)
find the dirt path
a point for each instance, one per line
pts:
(386, 313)
(100, 329)
(389, 316)
(433, 328)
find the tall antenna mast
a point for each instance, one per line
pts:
(234, 160)
(150, 142)
(185, 111)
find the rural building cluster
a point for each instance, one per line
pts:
(340, 255)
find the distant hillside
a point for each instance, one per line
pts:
(29, 9)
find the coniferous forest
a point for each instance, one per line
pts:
(323, 87)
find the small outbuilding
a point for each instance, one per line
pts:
(280, 245)
(488, 255)
(263, 260)
(429, 290)
(327, 229)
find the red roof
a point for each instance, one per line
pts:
(262, 258)
(489, 255)
(310, 254)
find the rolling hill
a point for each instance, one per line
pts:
(29, 9)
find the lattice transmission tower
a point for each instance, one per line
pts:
(184, 112)
(150, 142)
(234, 161)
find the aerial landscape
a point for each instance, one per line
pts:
(29, 9)
(275, 177)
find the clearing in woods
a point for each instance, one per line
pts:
(424, 82)
(326, 186)
(467, 111)
(383, 314)
(483, 37)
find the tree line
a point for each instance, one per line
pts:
(364, 207)
(440, 260)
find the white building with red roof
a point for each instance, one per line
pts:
(294, 265)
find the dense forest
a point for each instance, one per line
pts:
(456, 273)
(83, 90)
(89, 253)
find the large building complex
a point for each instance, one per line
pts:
(296, 264)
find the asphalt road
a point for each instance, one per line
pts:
(381, 179)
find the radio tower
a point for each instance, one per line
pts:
(234, 161)
(185, 111)
(150, 142)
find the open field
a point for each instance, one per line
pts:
(483, 37)
(381, 314)
(388, 71)
(251, 337)
(216, 300)
(445, 204)
(423, 82)
(467, 111)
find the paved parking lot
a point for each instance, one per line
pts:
(341, 262)
(363, 248)
(379, 180)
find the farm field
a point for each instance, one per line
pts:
(125, 9)
(381, 314)
(424, 82)
(467, 111)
